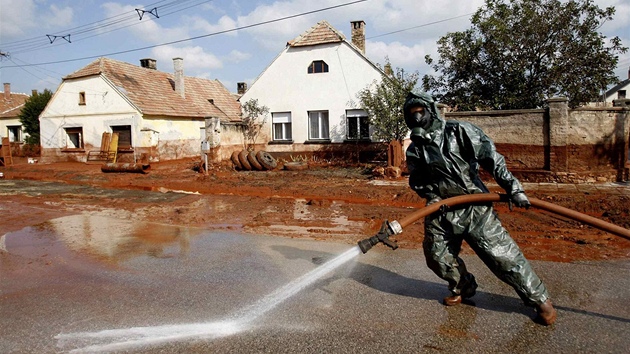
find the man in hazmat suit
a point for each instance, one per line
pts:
(444, 160)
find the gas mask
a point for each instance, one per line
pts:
(421, 119)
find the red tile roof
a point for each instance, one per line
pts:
(10, 108)
(153, 91)
(321, 33)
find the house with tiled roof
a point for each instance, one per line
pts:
(311, 91)
(157, 115)
(11, 105)
(620, 91)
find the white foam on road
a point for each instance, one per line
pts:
(128, 338)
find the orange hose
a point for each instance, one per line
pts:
(484, 198)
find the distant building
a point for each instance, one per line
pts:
(158, 115)
(311, 90)
(10, 107)
(619, 91)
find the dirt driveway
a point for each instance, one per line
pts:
(323, 202)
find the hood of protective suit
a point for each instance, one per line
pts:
(420, 134)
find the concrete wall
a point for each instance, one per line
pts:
(176, 138)
(560, 144)
(520, 135)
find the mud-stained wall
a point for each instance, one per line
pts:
(583, 144)
(596, 139)
(520, 135)
(232, 139)
(173, 138)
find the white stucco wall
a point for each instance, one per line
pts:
(103, 108)
(177, 138)
(286, 86)
(615, 95)
(11, 122)
(163, 138)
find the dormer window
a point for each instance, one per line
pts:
(318, 66)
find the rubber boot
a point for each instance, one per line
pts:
(546, 313)
(453, 300)
(467, 292)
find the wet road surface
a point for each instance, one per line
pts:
(86, 283)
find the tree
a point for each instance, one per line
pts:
(254, 118)
(29, 116)
(519, 53)
(383, 101)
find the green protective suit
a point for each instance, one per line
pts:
(443, 162)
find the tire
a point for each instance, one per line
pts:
(251, 158)
(242, 157)
(295, 166)
(266, 160)
(236, 161)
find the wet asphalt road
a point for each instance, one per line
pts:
(86, 283)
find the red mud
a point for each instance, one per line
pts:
(342, 204)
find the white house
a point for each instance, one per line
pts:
(619, 91)
(10, 107)
(311, 91)
(158, 115)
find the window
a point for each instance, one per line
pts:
(82, 98)
(358, 126)
(74, 138)
(318, 66)
(318, 125)
(124, 136)
(14, 133)
(281, 125)
(621, 94)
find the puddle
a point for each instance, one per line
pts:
(333, 223)
(98, 237)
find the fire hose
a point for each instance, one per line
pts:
(390, 228)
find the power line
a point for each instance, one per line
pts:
(198, 37)
(100, 27)
(423, 25)
(139, 23)
(81, 26)
(32, 74)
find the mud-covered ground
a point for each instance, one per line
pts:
(323, 202)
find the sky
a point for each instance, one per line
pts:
(232, 41)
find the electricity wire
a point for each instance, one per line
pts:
(198, 37)
(107, 25)
(419, 26)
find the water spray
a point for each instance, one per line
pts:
(395, 227)
(124, 339)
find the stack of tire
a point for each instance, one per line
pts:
(253, 161)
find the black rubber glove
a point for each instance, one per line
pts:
(520, 200)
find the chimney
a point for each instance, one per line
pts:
(7, 91)
(388, 69)
(179, 76)
(241, 87)
(358, 35)
(148, 63)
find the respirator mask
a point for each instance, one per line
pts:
(422, 119)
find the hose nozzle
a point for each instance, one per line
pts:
(387, 229)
